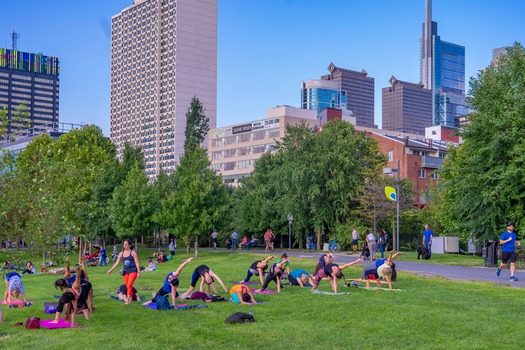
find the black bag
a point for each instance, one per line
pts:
(32, 322)
(240, 317)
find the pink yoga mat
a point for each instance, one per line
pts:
(61, 324)
(13, 302)
(249, 282)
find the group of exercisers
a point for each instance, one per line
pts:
(77, 291)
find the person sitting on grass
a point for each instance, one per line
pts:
(14, 288)
(208, 277)
(171, 283)
(324, 260)
(275, 274)
(70, 299)
(244, 240)
(300, 277)
(152, 265)
(122, 291)
(386, 269)
(30, 268)
(258, 268)
(334, 272)
(241, 295)
(8, 265)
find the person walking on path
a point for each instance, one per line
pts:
(371, 241)
(103, 256)
(355, 238)
(235, 238)
(427, 240)
(214, 236)
(508, 251)
(382, 241)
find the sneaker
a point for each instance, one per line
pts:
(513, 279)
(498, 271)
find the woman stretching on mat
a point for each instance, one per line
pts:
(334, 272)
(70, 298)
(131, 267)
(324, 260)
(208, 277)
(275, 274)
(299, 277)
(386, 269)
(14, 287)
(171, 282)
(86, 288)
(258, 268)
(241, 295)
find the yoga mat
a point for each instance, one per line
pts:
(13, 302)
(266, 291)
(249, 282)
(153, 306)
(61, 324)
(317, 291)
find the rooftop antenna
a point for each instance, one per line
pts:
(14, 38)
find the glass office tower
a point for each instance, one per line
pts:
(443, 72)
(320, 94)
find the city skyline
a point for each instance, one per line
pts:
(265, 49)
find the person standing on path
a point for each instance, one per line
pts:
(371, 241)
(355, 238)
(427, 240)
(508, 251)
(235, 238)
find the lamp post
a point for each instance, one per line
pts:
(290, 220)
(398, 195)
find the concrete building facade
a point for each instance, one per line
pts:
(234, 150)
(359, 88)
(406, 107)
(163, 53)
(30, 79)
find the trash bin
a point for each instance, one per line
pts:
(325, 247)
(490, 252)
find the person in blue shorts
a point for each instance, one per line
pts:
(508, 243)
(171, 283)
(299, 277)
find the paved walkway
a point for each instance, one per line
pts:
(460, 273)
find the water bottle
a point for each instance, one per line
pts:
(251, 312)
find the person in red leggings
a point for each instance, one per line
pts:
(131, 270)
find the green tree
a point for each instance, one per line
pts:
(483, 179)
(197, 124)
(133, 205)
(199, 200)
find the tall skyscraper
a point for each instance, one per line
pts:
(163, 53)
(443, 72)
(32, 79)
(320, 94)
(407, 107)
(359, 88)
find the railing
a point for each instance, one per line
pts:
(431, 162)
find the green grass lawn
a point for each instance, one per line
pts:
(430, 313)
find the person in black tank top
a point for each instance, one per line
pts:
(131, 269)
(258, 268)
(333, 272)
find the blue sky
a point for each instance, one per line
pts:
(265, 48)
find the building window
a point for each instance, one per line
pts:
(434, 175)
(390, 156)
(422, 174)
(259, 135)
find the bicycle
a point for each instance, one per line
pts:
(334, 246)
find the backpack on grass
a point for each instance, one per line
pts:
(239, 317)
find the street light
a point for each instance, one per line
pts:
(398, 195)
(290, 220)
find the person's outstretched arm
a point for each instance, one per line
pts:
(212, 274)
(115, 264)
(181, 267)
(350, 264)
(261, 274)
(268, 259)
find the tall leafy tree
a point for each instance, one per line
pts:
(483, 179)
(197, 125)
(133, 205)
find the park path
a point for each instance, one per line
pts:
(459, 273)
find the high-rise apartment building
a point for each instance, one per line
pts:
(30, 79)
(443, 72)
(359, 88)
(407, 107)
(320, 94)
(497, 53)
(163, 53)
